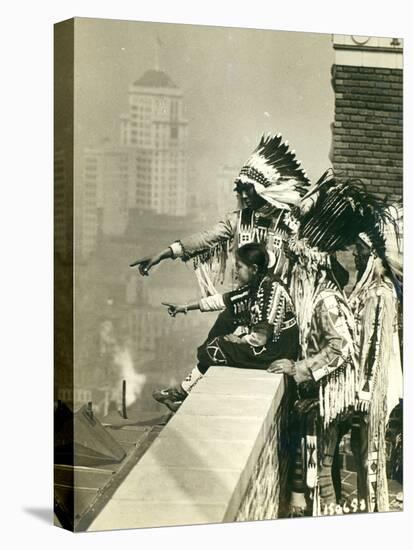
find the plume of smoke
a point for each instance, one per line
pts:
(121, 366)
(107, 337)
(134, 380)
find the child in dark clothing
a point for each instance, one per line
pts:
(258, 328)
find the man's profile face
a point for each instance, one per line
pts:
(361, 255)
(250, 197)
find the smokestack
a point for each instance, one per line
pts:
(124, 399)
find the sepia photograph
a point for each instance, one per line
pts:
(228, 274)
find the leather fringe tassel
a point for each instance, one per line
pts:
(338, 393)
(210, 267)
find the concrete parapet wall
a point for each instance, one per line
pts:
(215, 461)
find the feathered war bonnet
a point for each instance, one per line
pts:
(379, 378)
(275, 173)
(384, 239)
(339, 212)
(335, 214)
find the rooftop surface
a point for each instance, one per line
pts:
(96, 482)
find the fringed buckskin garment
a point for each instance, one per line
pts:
(333, 214)
(213, 250)
(325, 399)
(375, 303)
(277, 178)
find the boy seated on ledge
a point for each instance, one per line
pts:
(258, 328)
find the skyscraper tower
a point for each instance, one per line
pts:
(157, 130)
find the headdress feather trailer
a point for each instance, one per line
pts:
(333, 215)
(278, 178)
(376, 300)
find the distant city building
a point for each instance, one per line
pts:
(156, 128)
(77, 396)
(63, 208)
(108, 182)
(87, 203)
(136, 291)
(198, 207)
(226, 198)
(147, 171)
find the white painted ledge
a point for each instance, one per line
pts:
(368, 51)
(199, 467)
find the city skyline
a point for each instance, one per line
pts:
(146, 170)
(225, 74)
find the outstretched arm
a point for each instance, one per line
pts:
(210, 303)
(206, 240)
(145, 264)
(174, 309)
(192, 245)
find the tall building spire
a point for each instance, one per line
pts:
(158, 46)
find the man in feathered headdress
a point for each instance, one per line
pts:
(375, 301)
(333, 215)
(269, 185)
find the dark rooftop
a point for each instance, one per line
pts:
(85, 486)
(155, 79)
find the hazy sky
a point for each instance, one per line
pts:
(237, 84)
